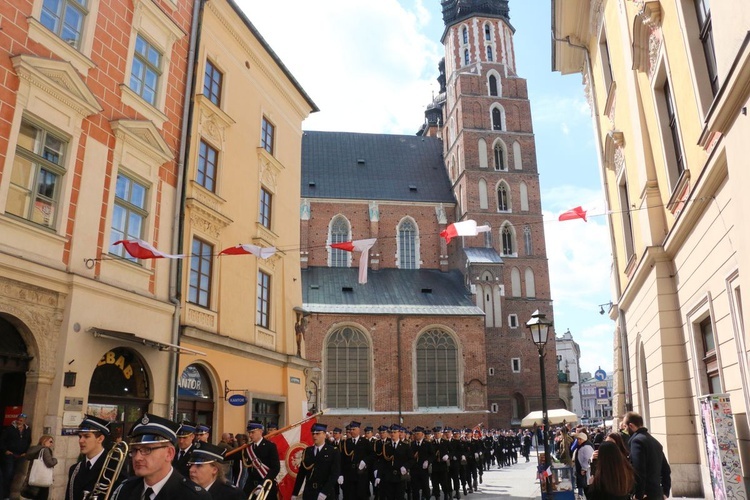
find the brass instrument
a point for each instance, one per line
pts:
(111, 468)
(261, 492)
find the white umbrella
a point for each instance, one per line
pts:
(555, 417)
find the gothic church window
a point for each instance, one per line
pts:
(506, 236)
(347, 375)
(407, 245)
(500, 157)
(493, 84)
(339, 232)
(503, 197)
(465, 35)
(466, 57)
(437, 370)
(489, 53)
(497, 121)
(487, 32)
(527, 240)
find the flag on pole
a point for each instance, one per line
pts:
(139, 249)
(463, 228)
(291, 445)
(573, 213)
(363, 246)
(245, 249)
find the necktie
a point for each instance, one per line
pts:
(147, 494)
(182, 454)
(315, 452)
(88, 466)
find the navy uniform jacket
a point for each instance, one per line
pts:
(363, 451)
(181, 465)
(319, 472)
(224, 491)
(268, 454)
(421, 454)
(441, 449)
(80, 480)
(176, 488)
(396, 456)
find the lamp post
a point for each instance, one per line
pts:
(539, 328)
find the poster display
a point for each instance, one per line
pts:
(723, 457)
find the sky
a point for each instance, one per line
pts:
(371, 66)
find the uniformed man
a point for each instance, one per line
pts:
(206, 471)
(336, 442)
(152, 448)
(454, 435)
(83, 475)
(440, 477)
(378, 489)
(319, 469)
(397, 463)
(185, 445)
(202, 433)
(263, 459)
(423, 456)
(358, 455)
(271, 427)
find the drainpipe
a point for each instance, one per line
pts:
(620, 314)
(175, 268)
(398, 366)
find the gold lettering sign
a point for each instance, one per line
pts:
(119, 361)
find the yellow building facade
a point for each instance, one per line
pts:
(667, 83)
(242, 187)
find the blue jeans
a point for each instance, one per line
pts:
(8, 464)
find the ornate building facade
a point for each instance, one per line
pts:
(668, 87)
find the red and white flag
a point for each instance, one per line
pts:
(246, 249)
(463, 228)
(363, 246)
(573, 213)
(139, 249)
(291, 445)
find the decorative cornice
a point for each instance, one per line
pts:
(144, 136)
(213, 121)
(269, 169)
(206, 219)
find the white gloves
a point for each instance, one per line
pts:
(463, 457)
(476, 455)
(362, 465)
(425, 464)
(403, 471)
(446, 458)
(492, 452)
(341, 479)
(321, 496)
(377, 481)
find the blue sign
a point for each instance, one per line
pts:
(237, 400)
(600, 375)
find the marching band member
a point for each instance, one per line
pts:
(206, 471)
(82, 476)
(263, 459)
(319, 469)
(185, 445)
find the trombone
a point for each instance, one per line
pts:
(261, 491)
(111, 468)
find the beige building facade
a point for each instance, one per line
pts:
(667, 82)
(242, 187)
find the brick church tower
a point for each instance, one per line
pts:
(483, 116)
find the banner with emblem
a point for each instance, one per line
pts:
(291, 445)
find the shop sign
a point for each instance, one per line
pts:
(237, 400)
(111, 358)
(12, 413)
(193, 384)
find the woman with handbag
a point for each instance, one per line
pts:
(41, 464)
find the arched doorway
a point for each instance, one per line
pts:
(14, 363)
(195, 396)
(119, 389)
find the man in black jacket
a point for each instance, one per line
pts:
(319, 469)
(358, 458)
(14, 442)
(398, 461)
(653, 474)
(152, 448)
(185, 437)
(82, 476)
(263, 457)
(423, 454)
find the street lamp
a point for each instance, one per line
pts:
(539, 328)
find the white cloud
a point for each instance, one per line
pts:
(564, 128)
(365, 64)
(596, 344)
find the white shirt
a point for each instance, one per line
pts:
(93, 460)
(158, 486)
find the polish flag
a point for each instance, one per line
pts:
(363, 246)
(139, 249)
(463, 228)
(573, 213)
(291, 445)
(246, 249)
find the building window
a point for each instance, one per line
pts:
(627, 217)
(493, 407)
(487, 32)
(347, 369)
(500, 163)
(212, 81)
(65, 19)
(201, 259)
(262, 314)
(466, 57)
(407, 245)
(527, 240)
(515, 365)
(465, 35)
(506, 234)
(128, 215)
(207, 166)
(497, 119)
(606, 62)
(144, 77)
(709, 356)
(437, 370)
(489, 53)
(339, 233)
(530, 283)
(513, 319)
(492, 372)
(703, 10)
(38, 168)
(266, 135)
(503, 199)
(493, 85)
(673, 129)
(264, 212)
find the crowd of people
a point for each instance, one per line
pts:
(620, 465)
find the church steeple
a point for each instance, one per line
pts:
(455, 11)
